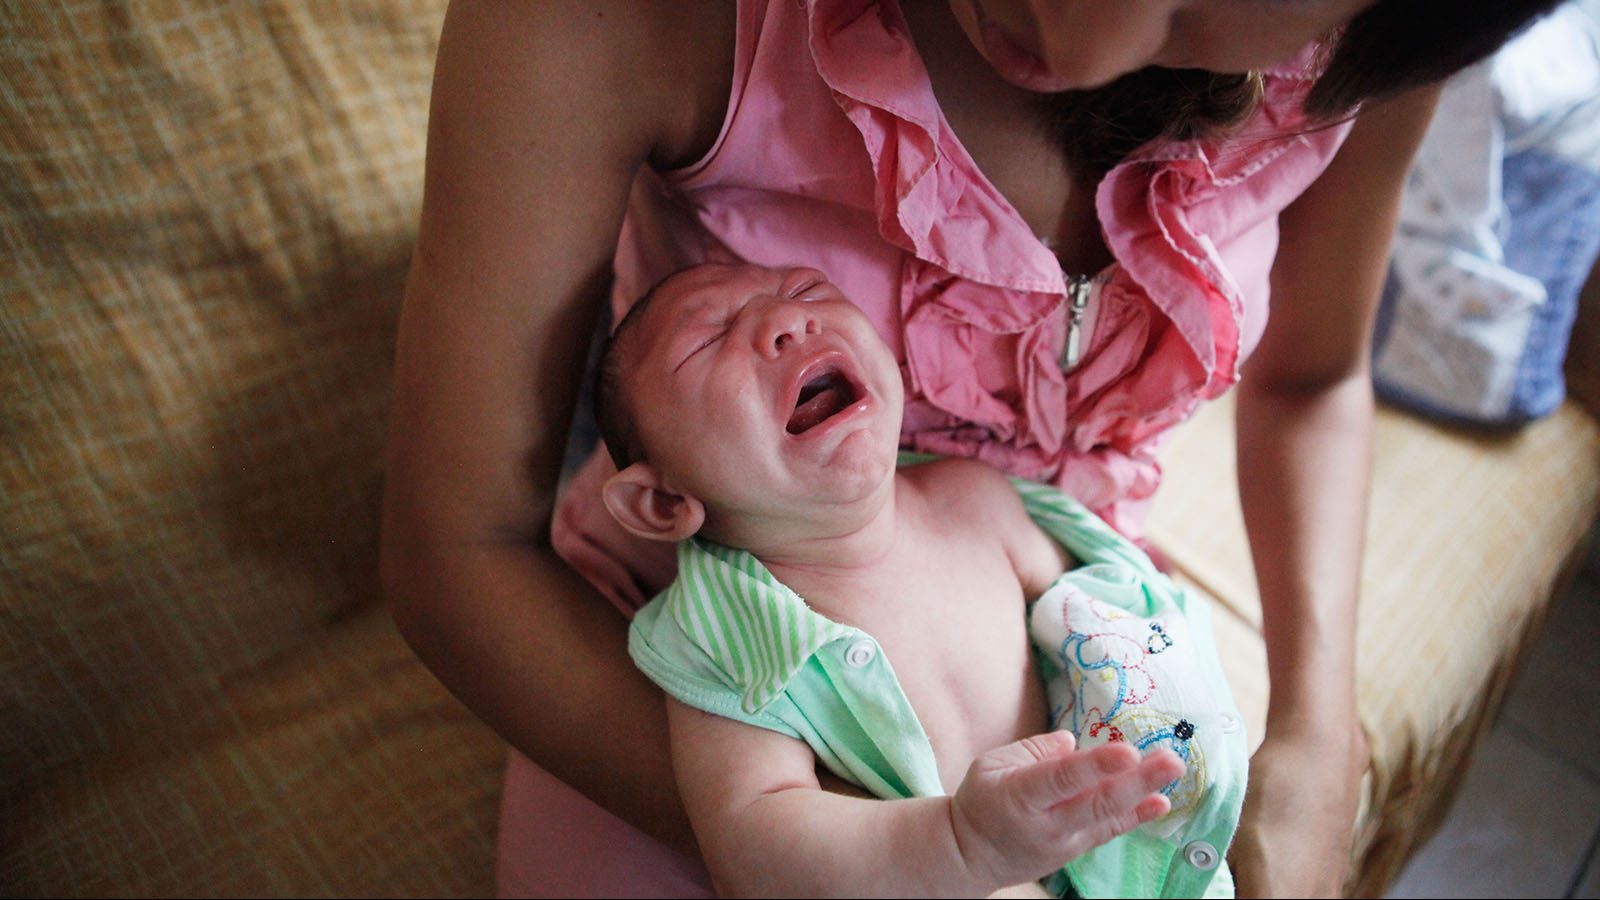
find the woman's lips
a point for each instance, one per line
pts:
(1015, 62)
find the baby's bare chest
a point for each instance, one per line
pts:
(955, 634)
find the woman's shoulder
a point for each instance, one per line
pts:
(659, 65)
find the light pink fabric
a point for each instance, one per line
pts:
(834, 154)
(555, 843)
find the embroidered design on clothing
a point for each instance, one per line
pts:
(1119, 687)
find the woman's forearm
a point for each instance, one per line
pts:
(1304, 473)
(533, 651)
(1305, 413)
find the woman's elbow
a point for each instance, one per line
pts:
(411, 565)
(401, 575)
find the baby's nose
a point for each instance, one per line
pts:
(785, 324)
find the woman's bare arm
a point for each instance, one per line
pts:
(1304, 432)
(542, 113)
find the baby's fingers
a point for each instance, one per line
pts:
(1030, 806)
(1057, 778)
(1122, 801)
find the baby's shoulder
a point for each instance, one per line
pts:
(972, 499)
(968, 490)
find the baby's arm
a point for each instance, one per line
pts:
(766, 828)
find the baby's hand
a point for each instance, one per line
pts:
(1027, 808)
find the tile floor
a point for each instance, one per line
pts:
(1527, 820)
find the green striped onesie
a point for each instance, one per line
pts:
(1125, 654)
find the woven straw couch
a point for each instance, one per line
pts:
(206, 211)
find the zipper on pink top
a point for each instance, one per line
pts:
(1080, 310)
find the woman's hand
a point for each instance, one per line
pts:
(1295, 833)
(628, 570)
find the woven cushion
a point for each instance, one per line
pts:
(1467, 536)
(342, 769)
(206, 210)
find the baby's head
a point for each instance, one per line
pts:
(748, 401)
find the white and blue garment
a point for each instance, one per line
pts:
(1499, 227)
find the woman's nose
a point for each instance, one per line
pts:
(785, 324)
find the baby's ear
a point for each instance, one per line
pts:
(640, 503)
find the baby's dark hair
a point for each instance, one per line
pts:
(612, 414)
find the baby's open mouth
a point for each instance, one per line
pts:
(820, 398)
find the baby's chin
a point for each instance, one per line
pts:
(862, 465)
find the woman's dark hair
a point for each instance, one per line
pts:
(1388, 48)
(1398, 44)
